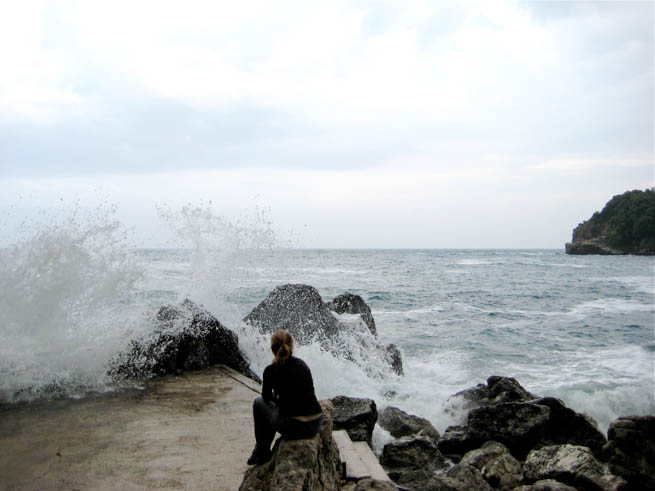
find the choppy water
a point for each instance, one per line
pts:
(581, 328)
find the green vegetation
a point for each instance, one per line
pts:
(627, 223)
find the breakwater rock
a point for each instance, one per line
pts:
(626, 225)
(630, 450)
(514, 440)
(511, 448)
(186, 337)
(300, 310)
(355, 415)
(398, 423)
(308, 464)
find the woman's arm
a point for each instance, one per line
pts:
(267, 390)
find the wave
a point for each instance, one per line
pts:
(65, 307)
(611, 305)
(423, 310)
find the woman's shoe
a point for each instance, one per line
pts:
(259, 458)
(252, 460)
(263, 457)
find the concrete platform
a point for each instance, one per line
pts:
(189, 432)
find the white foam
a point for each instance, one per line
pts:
(472, 262)
(423, 310)
(65, 307)
(380, 438)
(604, 383)
(611, 305)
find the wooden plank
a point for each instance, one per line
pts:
(367, 456)
(356, 469)
(342, 440)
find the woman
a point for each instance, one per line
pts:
(288, 403)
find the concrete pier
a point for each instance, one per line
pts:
(194, 431)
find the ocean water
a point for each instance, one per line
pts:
(580, 328)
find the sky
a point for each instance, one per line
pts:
(354, 124)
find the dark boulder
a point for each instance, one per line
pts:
(521, 425)
(455, 442)
(497, 390)
(355, 415)
(545, 485)
(347, 303)
(517, 425)
(570, 464)
(496, 465)
(567, 426)
(298, 309)
(412, 461)
(458, 478)
(374, 484)
(398, 423)
(186, 337)
(308, 464)
(631, 450)
(394, 358)
(412, 452)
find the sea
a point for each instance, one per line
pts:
(579, 328)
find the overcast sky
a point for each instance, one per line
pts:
(352, 124)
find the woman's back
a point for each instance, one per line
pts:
(292, 387)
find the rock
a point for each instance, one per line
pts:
(411, 461)
(394, 358)
(517, 425)
(398, 423)
(522, 425)
(496, 465)
(455, 442)
(307, 464)
(374, 484)
(355, 415)
(567, 426)
(458, 478)
(498, 390)
(187, 337)
(412, 452)
(587, 247)
(413, 479)
(630, 450)
(298, 309)
(571, 464)
(348, 303)
(545, 485)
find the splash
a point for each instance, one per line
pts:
(63, 297)
(218, 249)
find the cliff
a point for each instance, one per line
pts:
(626, 225)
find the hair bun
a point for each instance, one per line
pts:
(282, 346)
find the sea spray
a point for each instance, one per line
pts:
(64, 294)
(217, 248)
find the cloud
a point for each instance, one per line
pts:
(369, 109)
(93, 87)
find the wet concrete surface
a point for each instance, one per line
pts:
(194, 431)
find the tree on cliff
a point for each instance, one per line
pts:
(627, 222)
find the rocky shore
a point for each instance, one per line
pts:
(510, 439)
(626, 225)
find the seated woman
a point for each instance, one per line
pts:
(288, 403)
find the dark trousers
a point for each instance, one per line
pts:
(268, 420)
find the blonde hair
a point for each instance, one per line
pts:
(281, 346)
